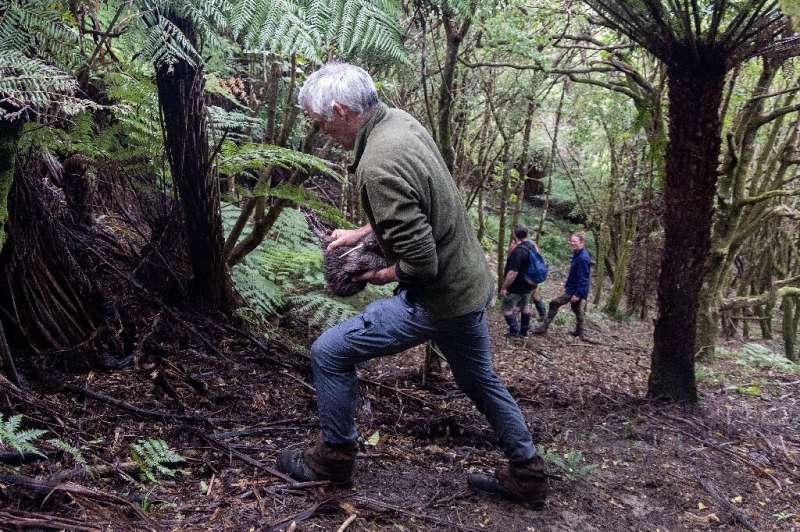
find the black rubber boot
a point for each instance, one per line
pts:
(579, 319)
(524, 483)
(513, 328)
(524, 324)
(540, 309)
(551, 314)
(323, 461)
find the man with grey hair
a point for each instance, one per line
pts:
(444, 285)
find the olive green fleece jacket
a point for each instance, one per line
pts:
(417, 214)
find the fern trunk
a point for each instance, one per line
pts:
(9, 138)
(180, 96)
(691, 177)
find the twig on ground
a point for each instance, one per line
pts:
(735, 512)
(28, 520)
(241, 456)
(347, 523)
(286, 524)
(390, 508)
(46, 488)
(150, 414)
(723, 450)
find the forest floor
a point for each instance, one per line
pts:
(617, 460)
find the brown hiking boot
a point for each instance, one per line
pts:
(323, 461)
(542, 329)
(524, 483)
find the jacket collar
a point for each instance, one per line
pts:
(364, 131)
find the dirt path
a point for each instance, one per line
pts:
(733, 461)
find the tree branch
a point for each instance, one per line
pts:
(777, 113)
(766, 196)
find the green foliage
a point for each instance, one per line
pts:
(300, 196)
(29, 86)
(73, 451)
(235, 159)
(703, 373)
(322, 311)
(36, 27)
(284, 275)
(154, 458)
(569, 463)
(22, 441)
(165, 44)
(756, 355)
(314, 28)
(238, 126)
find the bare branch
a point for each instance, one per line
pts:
(777, 113)
(752, 200)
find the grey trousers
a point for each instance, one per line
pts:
(389, 326)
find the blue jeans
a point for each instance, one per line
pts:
(389, 326)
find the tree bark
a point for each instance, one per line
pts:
(501, 223)
(180, 96)
(9, 138)
(791, 316)
(690, 183)
(455, 36)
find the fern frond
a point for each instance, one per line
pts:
(303, 198)
(234, 159)
(30, 87)
(321, 310)
(22, 441)
(312, 27)
(73, 451)
(35, 28)
(154, 457)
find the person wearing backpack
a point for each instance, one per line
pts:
(576, 288)
(525, 269)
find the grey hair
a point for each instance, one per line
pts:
(344, 83)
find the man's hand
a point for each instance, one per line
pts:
(503, 292)
(574, 299)
(384, 276)
(347, 237)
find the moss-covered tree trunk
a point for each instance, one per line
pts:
(181, 98)
(505, 191)
(791, 317)
(691, 177)
(621, 267)
(9, 139)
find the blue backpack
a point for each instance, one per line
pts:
(537, 267)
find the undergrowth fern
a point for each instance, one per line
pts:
(284, 275)
(321, 310)
(22, 441)
(72, 451)
(155, 458)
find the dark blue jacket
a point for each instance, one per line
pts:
(579, 279)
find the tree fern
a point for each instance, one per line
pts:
(312, 27)
(22, 441)
(165, 43)
(154, 458)
(303, 198)
(31, 88)
(234, 159)
(36, 28)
